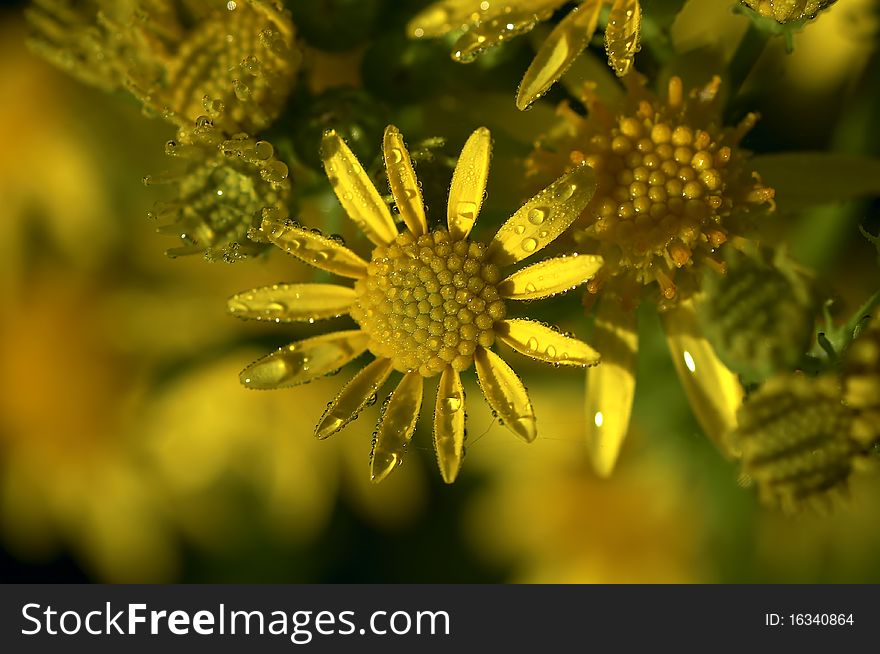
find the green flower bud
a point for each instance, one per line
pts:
(758, 316)
(787, 11)
(794, 435)
(228, 185)
(861, 383)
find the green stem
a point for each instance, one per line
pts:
(747, 54)
(851, 329)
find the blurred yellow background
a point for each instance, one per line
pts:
(130, 453)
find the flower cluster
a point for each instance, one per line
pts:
(642, 189)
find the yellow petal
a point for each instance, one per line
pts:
(403, 182)
(355, 191)
(505, 393)
(315, 249)
(544, 344)
(611, 386)
(550, 277)
(714, 392)
(303, 361)
(449, 424)
(543, 218)
(396, 426)
(491, 31)
(623, 35)
(442, 17)
(360, 391)
(469, 183)
(558, 51)
(292, 302)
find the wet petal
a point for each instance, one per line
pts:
(545, 344)
(303, 361)
(355, 191)
(315, 249)
(449, 424)
(714, 392)
(623, 35)
(558, 51)
(292, 302)
(442, 17)
(492, 31)
(396, 426)
(360, 391)
(403, 182)
(543, 218)
(505, 393)
(611, 386)
(550, 277)
(469, 183)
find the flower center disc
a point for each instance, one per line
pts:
(659, 183)
(428, 302)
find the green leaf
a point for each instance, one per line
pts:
(809, 179)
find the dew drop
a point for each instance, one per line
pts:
(551, 351)
(467, 211)
(529, 244)
(530, 288)
(564, 192)
(395, 156)
(537, 216)
(532, 344)
(519, 229)
(450, 404)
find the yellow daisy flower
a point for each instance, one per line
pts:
(673, 187)
(487, 23)
(428, 302)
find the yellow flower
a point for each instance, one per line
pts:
(171, 56)
(487, 23)
(428, 302)
(786, 11)
(673, 187)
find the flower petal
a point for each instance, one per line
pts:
(360, 391)
(469, 183)
(543, 218)
(315, 249)
(449, 424)
(292, 302)
(623, 35)
(544, 344)
(440, 18)
(611, 386)
(446, 16)
(505, 393)
(564, 44)
(355, 191)
(490, 32)
(714, 392)
(303, 361)
(403, 182)
(396, 426)
(550, 277)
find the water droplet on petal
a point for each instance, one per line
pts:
(529, 244)
(537, 216)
